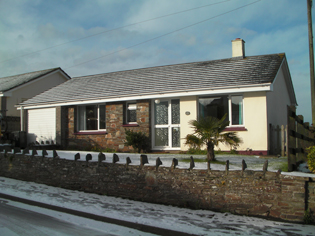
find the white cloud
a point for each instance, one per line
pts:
(267, 27)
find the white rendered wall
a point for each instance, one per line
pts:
(187, 104)
(278, 100)
(255, 122)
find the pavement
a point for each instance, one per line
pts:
(137, 226)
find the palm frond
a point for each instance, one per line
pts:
(210, 130)
(231, 138)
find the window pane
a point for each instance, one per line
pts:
(216, 107)
(132, 113)
(175, 137)
(237, 108)
(161, 113)
(102, 115)
(131, 116)
(81, 118)
(175, 112)
(91, 117)
(161, 137)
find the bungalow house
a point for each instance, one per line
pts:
(160, 101)
(18, 88)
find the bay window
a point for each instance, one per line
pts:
(92, 117)
(218, 106)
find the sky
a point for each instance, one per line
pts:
(86, 37)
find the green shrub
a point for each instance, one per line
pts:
(308, 217)
(187, 160)
(284, 167)
(99, 149)
(233, 151)
(311, 158)
(196, 151)
(138, 140)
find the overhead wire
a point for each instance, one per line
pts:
(107, 31)
(163, 35)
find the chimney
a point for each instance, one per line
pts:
(238, 48)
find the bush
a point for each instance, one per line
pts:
(196, 151)
(193, 141)
(308, 217)
(138, 140)
(311, 158)
(233, 151)
(99, 149)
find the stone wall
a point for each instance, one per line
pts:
(114, 137)
(255, 193)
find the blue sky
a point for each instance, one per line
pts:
(267, 26)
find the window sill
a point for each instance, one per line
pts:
(90, 132)
(230, 129)
(130, 125)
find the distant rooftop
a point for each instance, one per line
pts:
(10, 82)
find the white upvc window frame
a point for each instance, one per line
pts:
(229, 107)
(132, 105)
(169, 125)
(84, 117)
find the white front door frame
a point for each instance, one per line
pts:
(169, 126)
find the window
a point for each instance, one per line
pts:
(92, 117)
(221, 105)
(237, 110)
(131, 113)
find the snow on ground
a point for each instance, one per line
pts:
(71, 224)
(235, 161)
(198, 222)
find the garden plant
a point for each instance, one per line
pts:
(210, 132)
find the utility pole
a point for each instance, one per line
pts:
(310, 40)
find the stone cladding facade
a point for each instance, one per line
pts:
(113, 138)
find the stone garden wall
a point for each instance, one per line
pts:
(255, 193)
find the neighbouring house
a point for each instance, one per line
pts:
(254, 91)
(18, 88)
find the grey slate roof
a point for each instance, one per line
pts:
(10, 82)
(196, 76)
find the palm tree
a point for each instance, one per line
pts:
(210, 131)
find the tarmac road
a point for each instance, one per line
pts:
(16, 221)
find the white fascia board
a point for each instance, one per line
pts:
(6, 94)
(276, 76)
(234, 90)
(64, 74)
(35, 80)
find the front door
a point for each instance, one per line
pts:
(166, 133)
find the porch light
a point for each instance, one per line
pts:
(157, 101)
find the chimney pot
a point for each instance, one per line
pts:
(238, 48)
